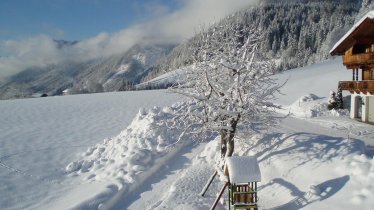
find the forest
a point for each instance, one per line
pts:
(294, 34)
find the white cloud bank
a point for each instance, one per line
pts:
(174, 27)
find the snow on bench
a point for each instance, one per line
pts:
(242, 169)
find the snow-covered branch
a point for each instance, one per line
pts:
(227, 88)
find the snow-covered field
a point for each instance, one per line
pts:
(39, 137)
(103, 151)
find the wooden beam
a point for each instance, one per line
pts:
(219, 196)
(206, 187)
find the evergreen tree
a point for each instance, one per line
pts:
(332, 102)
(339, 99)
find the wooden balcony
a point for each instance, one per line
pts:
(358, 60)
(365, 87)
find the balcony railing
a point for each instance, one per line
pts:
(358, 86)
(359, 59)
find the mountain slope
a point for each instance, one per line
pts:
(294, 33)
(104, 74)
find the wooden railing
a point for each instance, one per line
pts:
(366, 86)
(359, 59)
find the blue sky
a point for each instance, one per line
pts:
(76, 19)
(103, 28)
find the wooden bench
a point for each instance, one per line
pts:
(243, 174)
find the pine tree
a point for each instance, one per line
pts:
(332, 104)
(339, 99)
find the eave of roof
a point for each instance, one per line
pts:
(369, 15)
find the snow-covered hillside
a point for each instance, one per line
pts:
(103, 151)
(285, 27)
(98, 75)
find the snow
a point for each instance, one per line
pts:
(164, 80)
(133, 155)
(318, 79)
(39, 137)
(243, 169)
(149, 56)
(122, 69)
(112, 151)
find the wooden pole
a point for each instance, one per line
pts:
(206, 187)
(219, 196)
(357, 74)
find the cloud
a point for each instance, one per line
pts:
(36, 51)
(165, 26)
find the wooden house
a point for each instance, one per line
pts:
(357, 50)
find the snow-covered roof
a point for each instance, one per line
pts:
(369, 15)
(243, 169)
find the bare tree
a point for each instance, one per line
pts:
(226, 89)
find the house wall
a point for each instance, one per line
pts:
(362, 107)
(368, 108)
(368, 74)
(371, 109)
(365, 108)
(354, 106)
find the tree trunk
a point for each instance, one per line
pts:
(227, 140)
(230, 141)
(223, 133)
(230, 146)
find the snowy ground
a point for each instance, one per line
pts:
(101, 151)
(39, 137)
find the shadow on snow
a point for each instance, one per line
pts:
(303, 148)
(302, 199)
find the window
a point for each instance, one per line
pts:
(360, 48)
